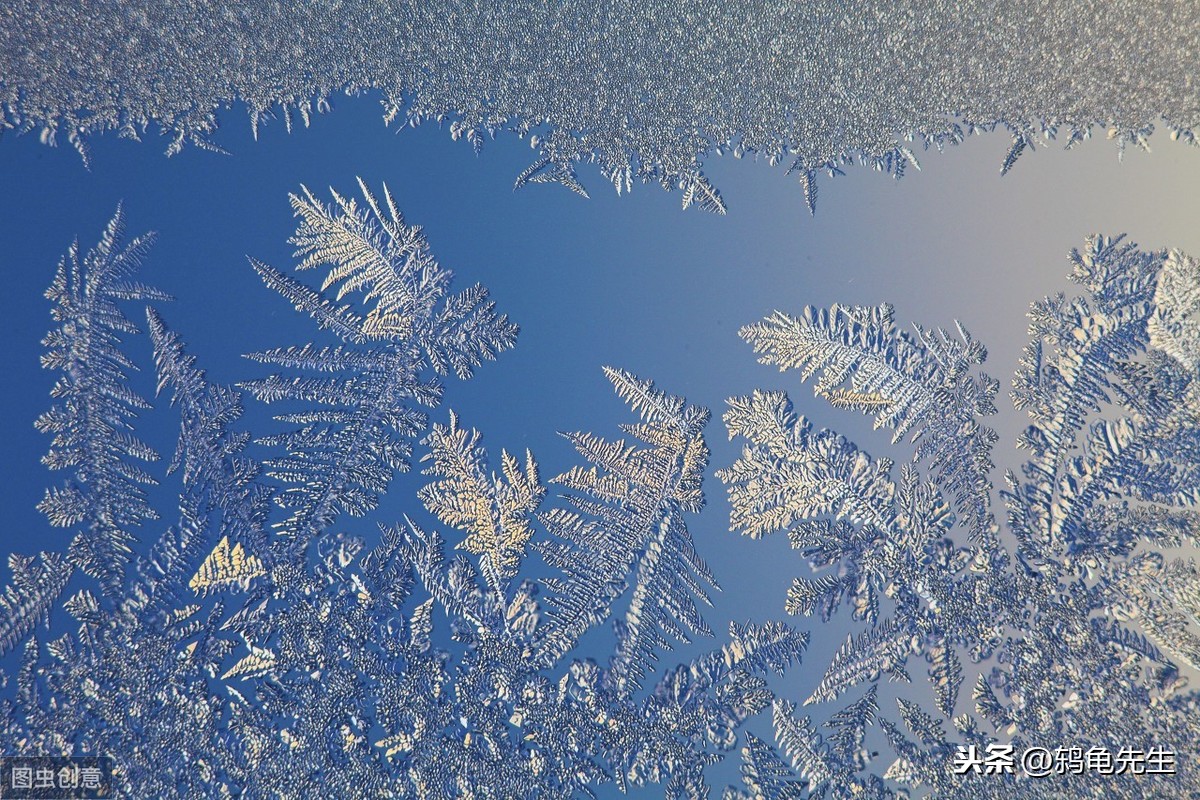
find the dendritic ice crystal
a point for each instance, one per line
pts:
(259, 647)
(645, 91)
(1074, 622)
(253, 651)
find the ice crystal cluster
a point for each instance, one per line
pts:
(262, 644)
(645, 91)
(258, 647)
(1069, 621)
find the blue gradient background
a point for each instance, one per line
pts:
(631, 281)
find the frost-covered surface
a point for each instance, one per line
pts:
(1072, 623)
(644, 90)
(259, 653)
(265, 644)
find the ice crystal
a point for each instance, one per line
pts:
(644, 91)
(1075, 624)
(244, 658)
(342, 454)
(224, 567)
(92, 426)
(261, 646)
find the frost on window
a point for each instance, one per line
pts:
(1069, 622)
(266, 640)
(261, 646)
(92, 424)
(363, 399)
(645, 92)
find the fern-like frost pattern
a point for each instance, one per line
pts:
(92, 426)
(368, 392)
(258, 645)
(256, 648)
(1073, 624)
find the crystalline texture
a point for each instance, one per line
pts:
(1079, 635)
(645, 91)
